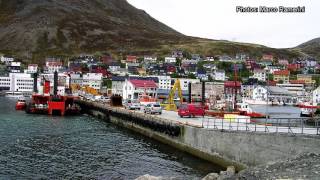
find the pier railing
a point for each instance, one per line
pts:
(268, 125)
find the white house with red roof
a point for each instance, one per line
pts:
(53, 65)
(131, 59)
(32, 68)
(133, 89)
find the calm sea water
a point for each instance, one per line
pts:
(278, 111)
(82, 147)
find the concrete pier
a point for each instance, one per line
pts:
(222, 147)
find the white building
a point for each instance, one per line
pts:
(219, 75)
(316, 96)
(32, 68)
(272, 69)
(6, 60)
(118, 83)
(164, 82)
(184, 83)
(170, 60)
(311, 63)
(274, 94)
(76, 79)
(93, 80)
(260, 74)
(15, 67)
(133, 89)
(5, 83)
(150, 59)
(114, 67)
(21, 82)
(294, 89)
(53, 66)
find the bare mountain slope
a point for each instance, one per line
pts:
(77, 25)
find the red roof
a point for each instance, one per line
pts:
(143, 83)
(297, 82)
(267, 57)
(131, 58)
(232, 84)
(272, 83)
(282, 72)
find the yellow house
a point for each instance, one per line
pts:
(307, 78)
(141, 71)
(282, 75)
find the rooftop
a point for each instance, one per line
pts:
(282, 72)
(143, 83)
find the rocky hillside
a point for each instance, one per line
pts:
(65, 26)
(33, 29)
(312, 48)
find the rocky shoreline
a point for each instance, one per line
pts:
(304, 166)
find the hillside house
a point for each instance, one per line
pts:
(177, 54)
(282, 75)
(113, 67)
(32, 68)
(260, 74)
(219, 75)
(150, 59)
(52, 65)
(316, 96)
(133, 89)
(294, 67)
(283, 62)
(117, 85)
(93, 80)
(14, 67)
(307, 78)
(6, 60)
(131, 59)
(248, 87)
(202, 74)
(171, 60)
(271, 69)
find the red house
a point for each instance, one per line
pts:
(131, 59)
(294, 67)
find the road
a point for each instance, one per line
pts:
(290, 126)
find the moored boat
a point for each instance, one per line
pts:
(246, 110)
(14, 94)
(21, 104)
(308, 110)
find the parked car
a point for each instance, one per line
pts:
(132, 105)
(105, 99)
(191, 110)
(153, 108)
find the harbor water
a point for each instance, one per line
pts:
(277, 111)
(82, 147)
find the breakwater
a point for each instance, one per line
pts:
(239, 149)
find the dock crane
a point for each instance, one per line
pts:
(171, 106)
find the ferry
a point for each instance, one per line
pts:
(21, 104)
(14, 94)
(46, 103)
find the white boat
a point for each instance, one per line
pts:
(308, 109)
(14, 94)
(255, 102)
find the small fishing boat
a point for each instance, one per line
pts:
(308, 110)
(21, 104)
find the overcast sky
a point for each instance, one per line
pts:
(217, 19)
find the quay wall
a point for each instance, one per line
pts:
(225, 148)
